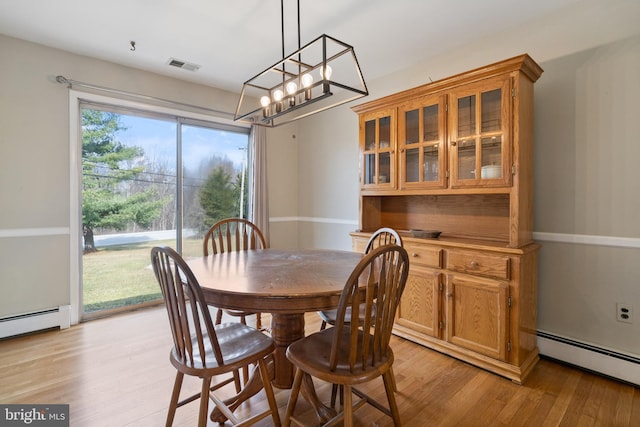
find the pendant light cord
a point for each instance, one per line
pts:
(282, 31)
(282, 27)
(298, 24)
(282, 24)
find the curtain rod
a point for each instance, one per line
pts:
(70, 83)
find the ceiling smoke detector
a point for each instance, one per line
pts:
(183, 64)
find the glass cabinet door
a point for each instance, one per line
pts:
(377, 145)
(479, 127)
(421, 133)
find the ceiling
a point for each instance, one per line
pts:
(231, 41)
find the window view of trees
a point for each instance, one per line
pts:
(129, 192)
(220, 196)
(111, 198)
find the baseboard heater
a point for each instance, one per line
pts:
(614, 364)
(35, 321)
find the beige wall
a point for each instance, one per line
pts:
(587, 147)
(586, 184)
(35, 181)
(282, 160)
(586, 151)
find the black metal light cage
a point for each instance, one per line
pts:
(344, 83)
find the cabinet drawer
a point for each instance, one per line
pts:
(478, 263)
(424, 255)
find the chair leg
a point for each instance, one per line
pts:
(323, 326)
(245, 375)
(389, 381)
(219, 316)
(334, 391)
(204, 402)
(258, 322)
(393, 379)
(245, 369)
(348, 407)
(268, 389)
(293, 397)
(236, 380)
(175, 395)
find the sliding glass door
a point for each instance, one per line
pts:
(150, 180)
(214, 181)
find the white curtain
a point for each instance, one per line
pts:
(258, 191)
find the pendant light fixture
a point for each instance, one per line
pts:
(320, 75)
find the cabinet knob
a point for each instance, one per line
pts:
(450, 295)
(453, 143)
(413, 254)
(474, 264)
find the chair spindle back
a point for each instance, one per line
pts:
(189, 316)
(233, 234)
(378, 279)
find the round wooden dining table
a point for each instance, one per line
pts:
(284, 282)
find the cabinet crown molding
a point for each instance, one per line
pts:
(522, 63)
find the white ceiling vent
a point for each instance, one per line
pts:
(183, 64)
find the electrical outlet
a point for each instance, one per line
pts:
(624, 312)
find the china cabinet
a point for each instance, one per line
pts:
(456, 156)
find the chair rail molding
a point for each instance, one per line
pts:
(34, 232)
(314, 219)
(586, 239)
(577, 239)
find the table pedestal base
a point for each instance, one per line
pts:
(285, 329)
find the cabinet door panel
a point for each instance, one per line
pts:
(480, 140)
(377, 150)
(477, 315)
(421, 143)
(420, 304)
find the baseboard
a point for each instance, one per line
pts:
(614, 364)
(35, 321)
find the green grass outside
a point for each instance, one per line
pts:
(117, 276)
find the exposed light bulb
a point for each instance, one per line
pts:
(277, 97)
(326, 74)
(265, 101)
(292, 87)
(307, 79)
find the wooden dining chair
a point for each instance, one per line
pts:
(202, 349)
(229, 235)
(350, 354)
(382, 236)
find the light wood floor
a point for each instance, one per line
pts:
(116, 372)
